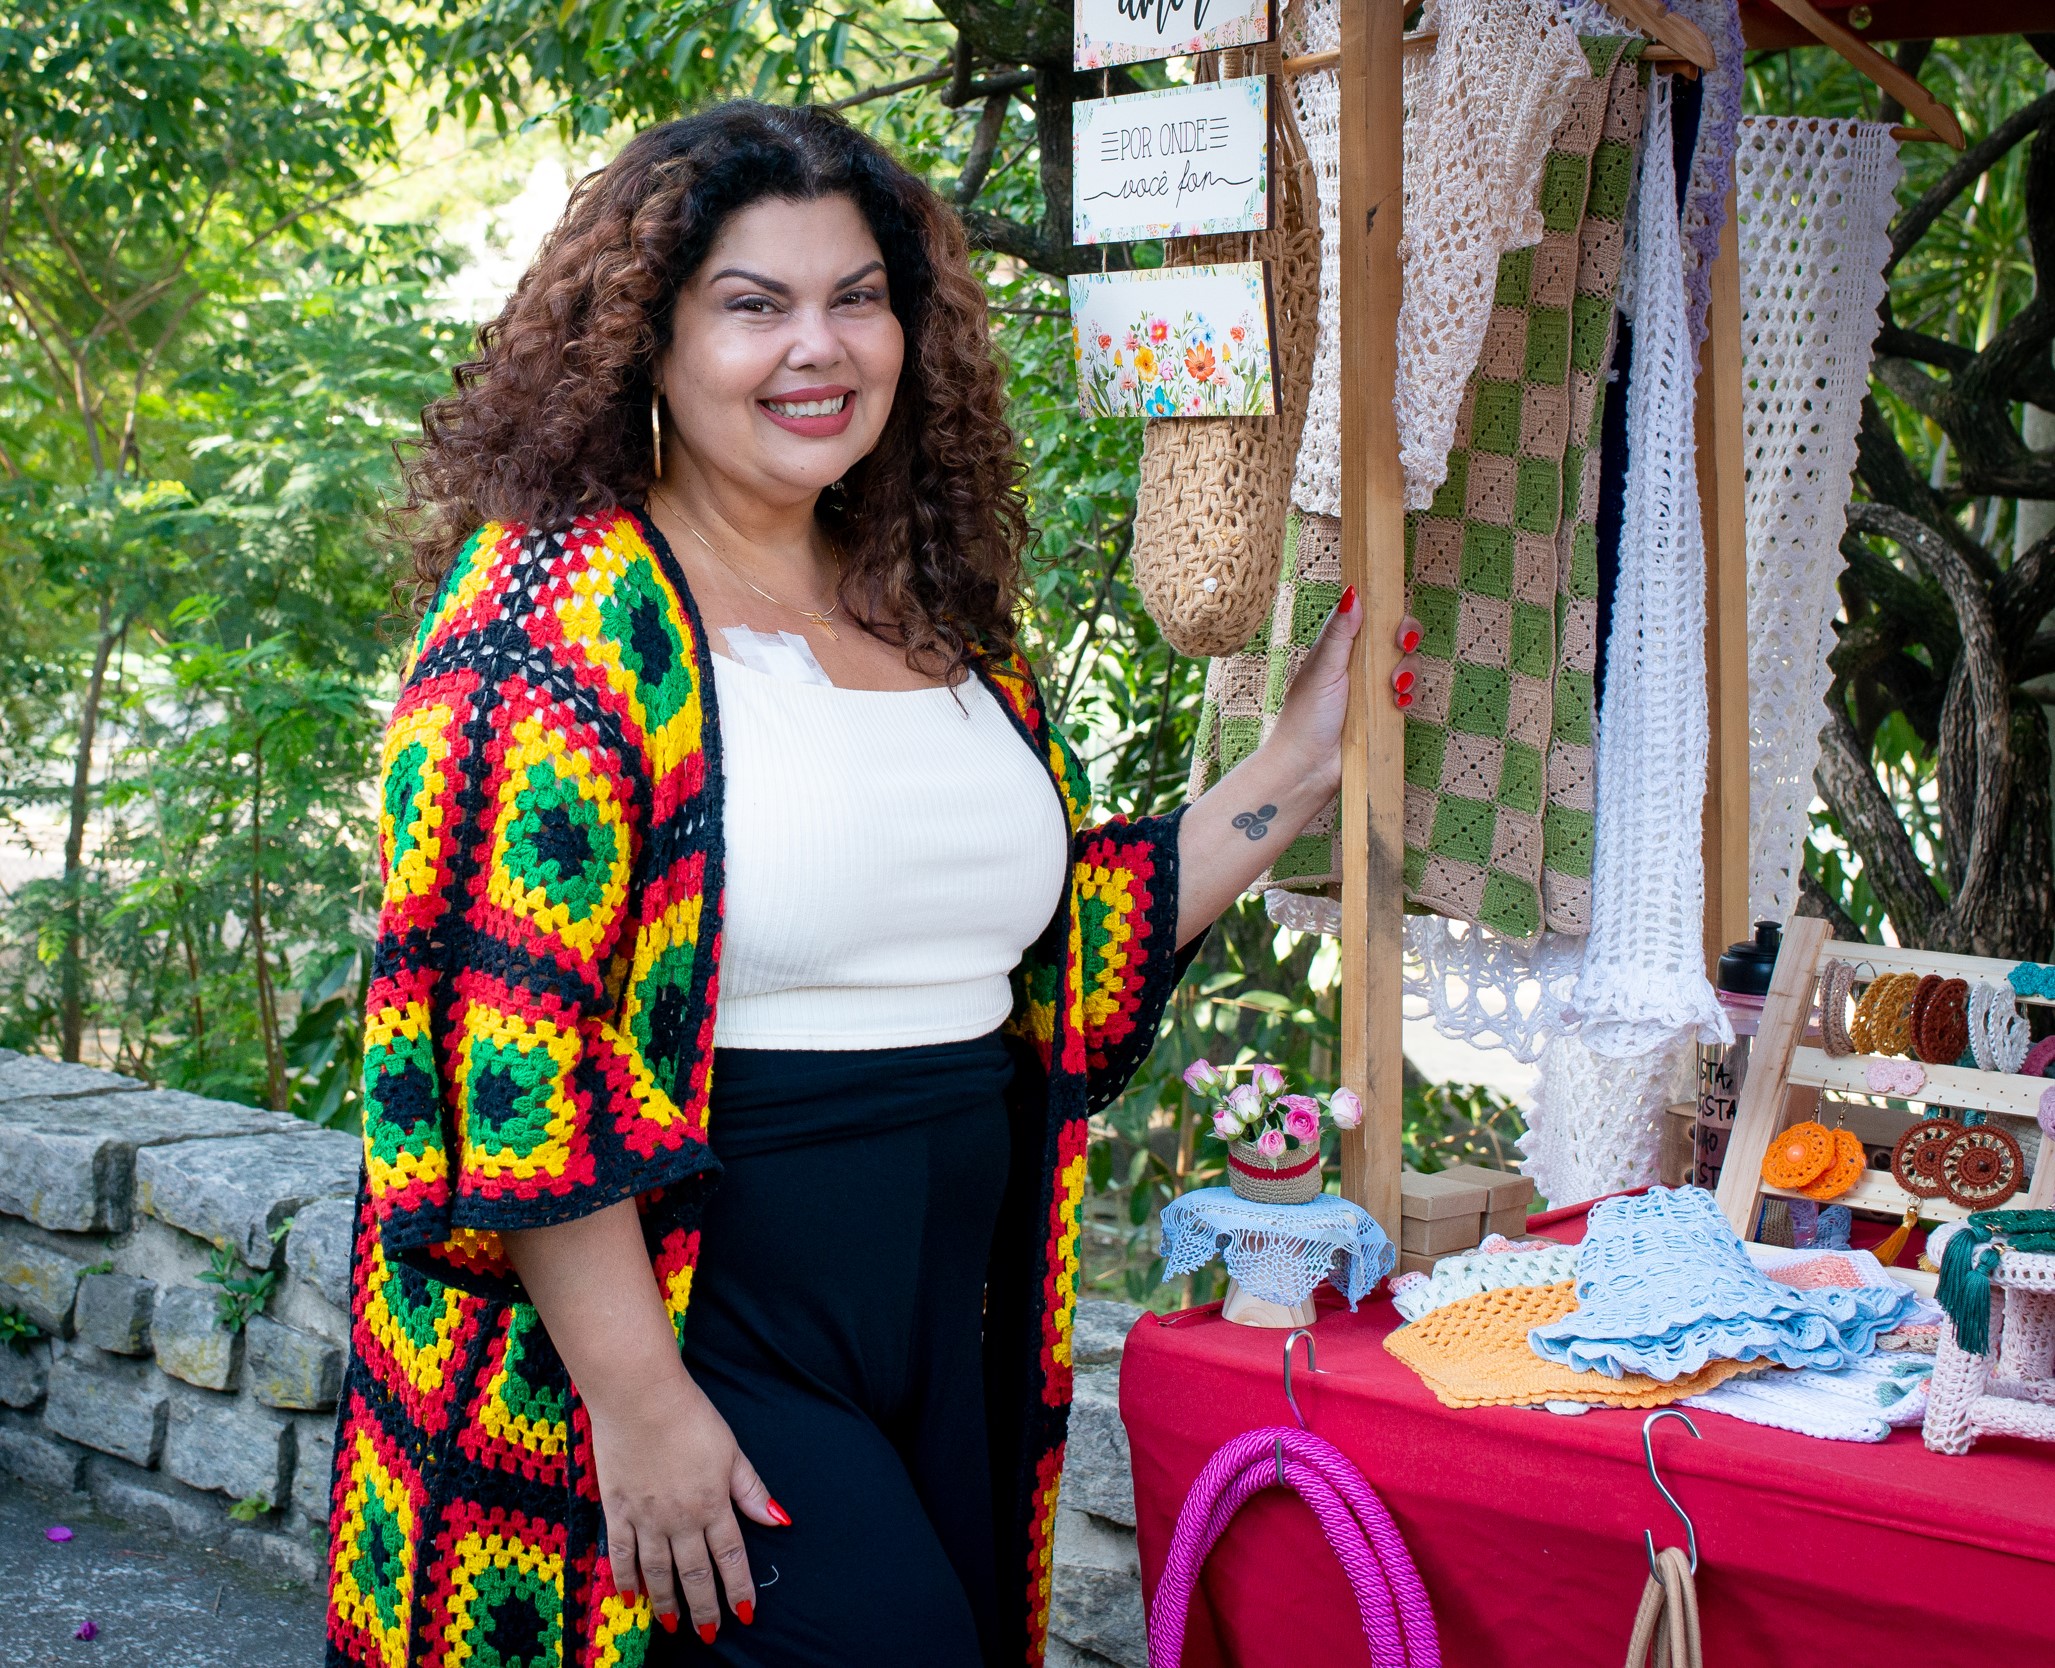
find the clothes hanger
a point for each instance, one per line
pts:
(1939, 119)
(1648, 1453)
(1291, 1338)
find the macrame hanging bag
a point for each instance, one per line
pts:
(1209, 522)
(1398, 1622)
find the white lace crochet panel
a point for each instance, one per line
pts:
(1498, 84)
(1712, 155)
(1814, 202)
(1644, 979)
(1480, 109)
(1596, 1127)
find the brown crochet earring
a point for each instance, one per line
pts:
(656, 439)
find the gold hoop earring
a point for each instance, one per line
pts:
(656, 438)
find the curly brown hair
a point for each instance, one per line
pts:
(551, 420)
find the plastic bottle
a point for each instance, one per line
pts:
(1741, 982)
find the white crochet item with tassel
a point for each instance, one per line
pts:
(1814, 199)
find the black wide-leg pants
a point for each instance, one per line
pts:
(835, 1321)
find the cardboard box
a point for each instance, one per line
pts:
(1512, 1222)
(1417, 1262)
(1439, 1236)
(1432, 1198)
(1504, 1187)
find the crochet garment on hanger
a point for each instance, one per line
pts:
(1498, 782)
(1496, 89)
(1474, 1353)
(1644, 977)
(1664, 1286)
(1814, 204)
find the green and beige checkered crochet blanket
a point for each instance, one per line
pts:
(1502, 569)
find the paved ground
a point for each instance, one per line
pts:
(157, 1602)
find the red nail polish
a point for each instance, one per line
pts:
(707, 1630)
(1402, 680)
(667, 1620)
(777, 1513)
(1409, 635)
(1401, 698)
(745, 1612)
(1348, 600)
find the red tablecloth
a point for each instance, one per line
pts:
(1526, 1526)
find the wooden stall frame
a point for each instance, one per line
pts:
(1373, 521)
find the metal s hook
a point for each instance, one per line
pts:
(1648, 1453)
(1292, 1338)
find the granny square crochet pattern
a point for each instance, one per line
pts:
(1664, 1286)
(1474, 1353)
(538, 1045)
(1502, 566)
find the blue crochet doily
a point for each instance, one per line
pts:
(1279, 1253)
(1663, 1287)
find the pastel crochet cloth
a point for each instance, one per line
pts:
(1474, 1353)
(1496, 88)
(1863, 1402)
(1455, 1278)
(1484, 561)
(1279, 1253)
(1814, 199)
(1664, 1286)
(1814, 1268)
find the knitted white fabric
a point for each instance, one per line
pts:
(1315, 26)
(1480, 109)
(1857, 1403)
(1712, 155)
(1643, 981)
(1814, 201)
(1596, 1127)
(1498, 84)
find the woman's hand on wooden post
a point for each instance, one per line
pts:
(1241, 825)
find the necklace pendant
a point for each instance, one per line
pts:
(821, 620)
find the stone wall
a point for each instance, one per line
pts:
(114, 1199)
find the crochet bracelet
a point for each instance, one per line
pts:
(1837, 982)
(1882, 1022)
(1998, 1034)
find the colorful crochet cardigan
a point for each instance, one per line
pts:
(539, 1044)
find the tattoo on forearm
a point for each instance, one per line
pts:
(1256, 823)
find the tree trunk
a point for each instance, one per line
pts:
(277, 1089)
(71, 961)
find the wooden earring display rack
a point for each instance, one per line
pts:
(1783, 1067)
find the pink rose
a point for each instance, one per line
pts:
(1203, 1077)
(1302, 1123)
(1245, 1102)
(1271, 1143)
(1226, 1125)
(1345, 1109)
(1268, 1078)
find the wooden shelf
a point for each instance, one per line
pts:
(1890, 958)
(1979, 1091)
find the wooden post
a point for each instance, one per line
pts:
(1722, 510)
(1373, 524)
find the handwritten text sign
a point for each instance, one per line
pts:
(1177, 163)
(1131, 31)
(1179, 341)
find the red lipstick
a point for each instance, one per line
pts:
(823, 426)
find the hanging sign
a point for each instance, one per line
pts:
(1181, 162)
(1109, 32)
(1178, 341)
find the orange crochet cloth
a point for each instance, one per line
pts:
(1474, 1353)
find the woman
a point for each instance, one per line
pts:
(719, 686)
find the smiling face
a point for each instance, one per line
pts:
(785, 351)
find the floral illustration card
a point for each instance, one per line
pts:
(1178, 341)
(1132, 31)
(1179, 162)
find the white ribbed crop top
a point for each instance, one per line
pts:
(889, 856)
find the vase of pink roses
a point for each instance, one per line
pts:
(1272, 1135)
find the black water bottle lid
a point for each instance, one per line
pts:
(1746, 967)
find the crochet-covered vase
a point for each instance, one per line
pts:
(1291, 1178)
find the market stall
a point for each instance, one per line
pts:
(1570, 399)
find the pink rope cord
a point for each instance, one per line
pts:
(1398, 1622)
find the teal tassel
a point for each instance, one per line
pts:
(1972, 1258)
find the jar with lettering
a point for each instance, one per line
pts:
(1742, 982)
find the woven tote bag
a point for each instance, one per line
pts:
(1209, 522)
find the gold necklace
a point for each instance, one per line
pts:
(819, 619)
